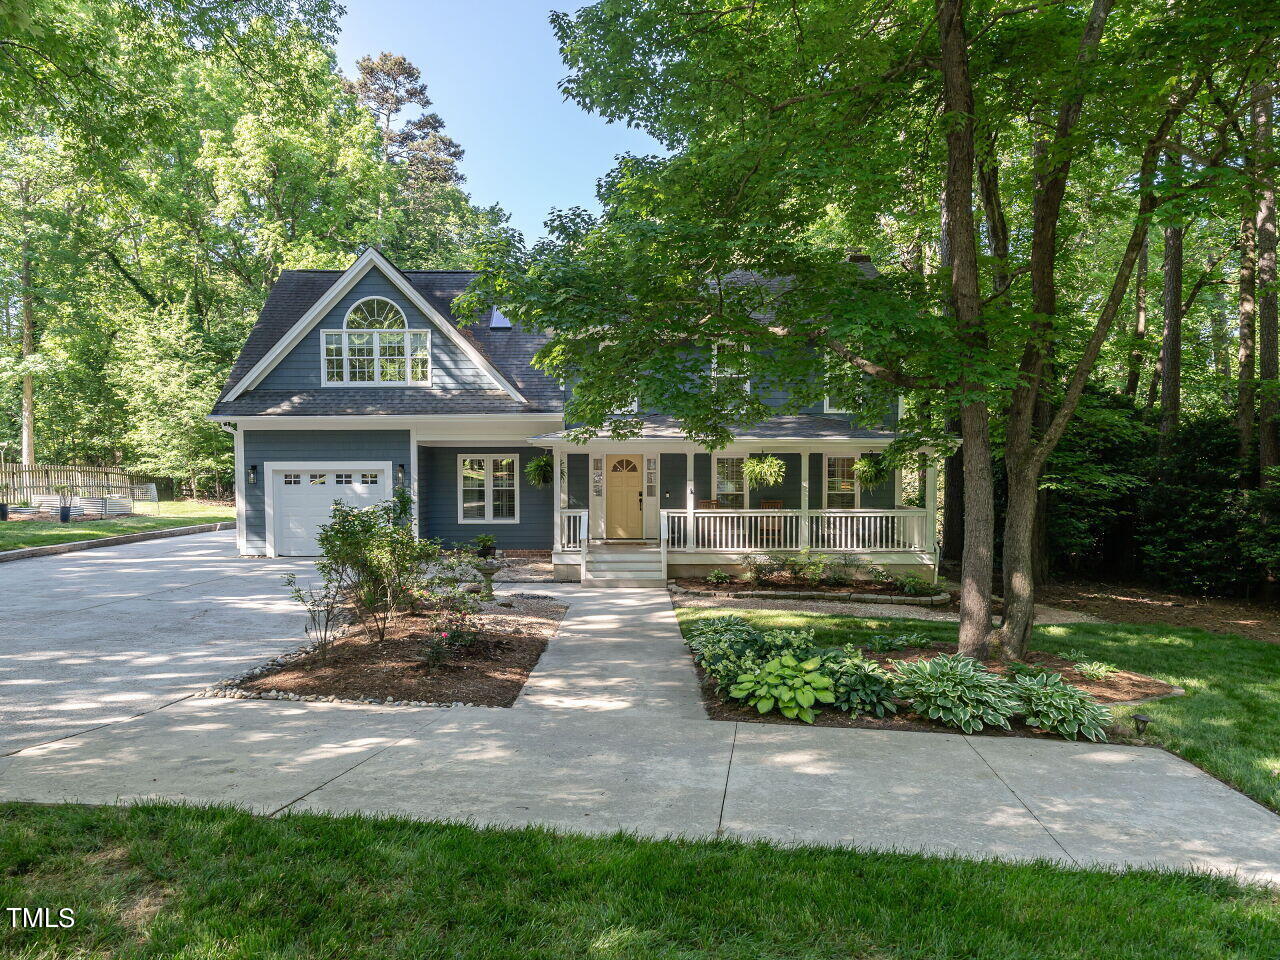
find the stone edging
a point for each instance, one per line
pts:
(935, 601)
(26, 553)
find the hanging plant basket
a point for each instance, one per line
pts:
(539, 471)
(764, 472)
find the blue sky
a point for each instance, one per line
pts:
(492, 68)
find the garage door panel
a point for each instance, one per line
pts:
(303, 500)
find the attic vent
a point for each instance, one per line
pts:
(498, 321)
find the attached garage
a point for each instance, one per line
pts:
(300, 498)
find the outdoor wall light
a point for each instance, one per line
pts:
(400, 474)
(253, 473)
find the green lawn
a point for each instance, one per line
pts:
(165, 881)
(1227, 724)
(159, 516)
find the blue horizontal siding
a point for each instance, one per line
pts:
(300, 368)
(309, 446)
(438, 501)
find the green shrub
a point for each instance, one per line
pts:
(372, 557)
(790, 685)
(1050, 703)
(958, 691)
(718, 577)
(914, 586)
(757, 566)
(860, 685)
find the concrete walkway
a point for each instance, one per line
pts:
(610, 735)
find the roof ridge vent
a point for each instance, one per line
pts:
(497, 321)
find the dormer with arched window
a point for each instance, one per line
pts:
(375, 347)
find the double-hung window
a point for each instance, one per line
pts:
(842, 483)
(731, 485)
(729, 369)
(488, 491)
(376, 346)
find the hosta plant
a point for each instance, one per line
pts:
(791, 686)
(860, 685)
(1050, 703)
(957, 691)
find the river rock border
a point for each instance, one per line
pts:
(936, 600)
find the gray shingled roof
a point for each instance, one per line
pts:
(801, 426)
(296, 291)
(372, 401)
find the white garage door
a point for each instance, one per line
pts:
(303, 499)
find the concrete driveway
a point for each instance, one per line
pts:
(608, 735)
(103, 635)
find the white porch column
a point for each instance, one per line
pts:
(689, 501)
(561, 494)
(804, 498)
(931, 512)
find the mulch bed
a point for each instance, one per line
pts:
(489, 673)
(1120, 687)
(784, 584)
(1122, 603)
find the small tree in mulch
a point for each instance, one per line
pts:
(326, 613)
(372, 558)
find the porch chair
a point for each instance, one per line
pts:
(771, 527)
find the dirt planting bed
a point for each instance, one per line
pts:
(1117, 688)
(510, 634)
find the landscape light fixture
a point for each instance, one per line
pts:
(1140, 721)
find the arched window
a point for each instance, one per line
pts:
(376, 347)
(375, 313)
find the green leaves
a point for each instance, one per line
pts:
(1050, 703)
(958, 691)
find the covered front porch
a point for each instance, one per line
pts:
(659, 505)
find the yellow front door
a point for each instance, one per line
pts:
(623, 516)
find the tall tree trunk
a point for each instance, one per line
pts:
(28, 348)
(1268, 335)
(1028, 414)
(1246, 363)
(975, 418)
(953, 469)
(1171, 347)
(1139, 325)
(953, 501)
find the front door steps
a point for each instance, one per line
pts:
(623, 565)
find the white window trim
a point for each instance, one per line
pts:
(346, 380)
(857, 481)
(828, 408)
(488, 487)
(715, 363)
(346, 320)
(715, 473)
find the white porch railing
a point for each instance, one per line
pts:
(736, 531)
(573, 529)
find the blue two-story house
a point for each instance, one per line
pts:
(356, 382)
